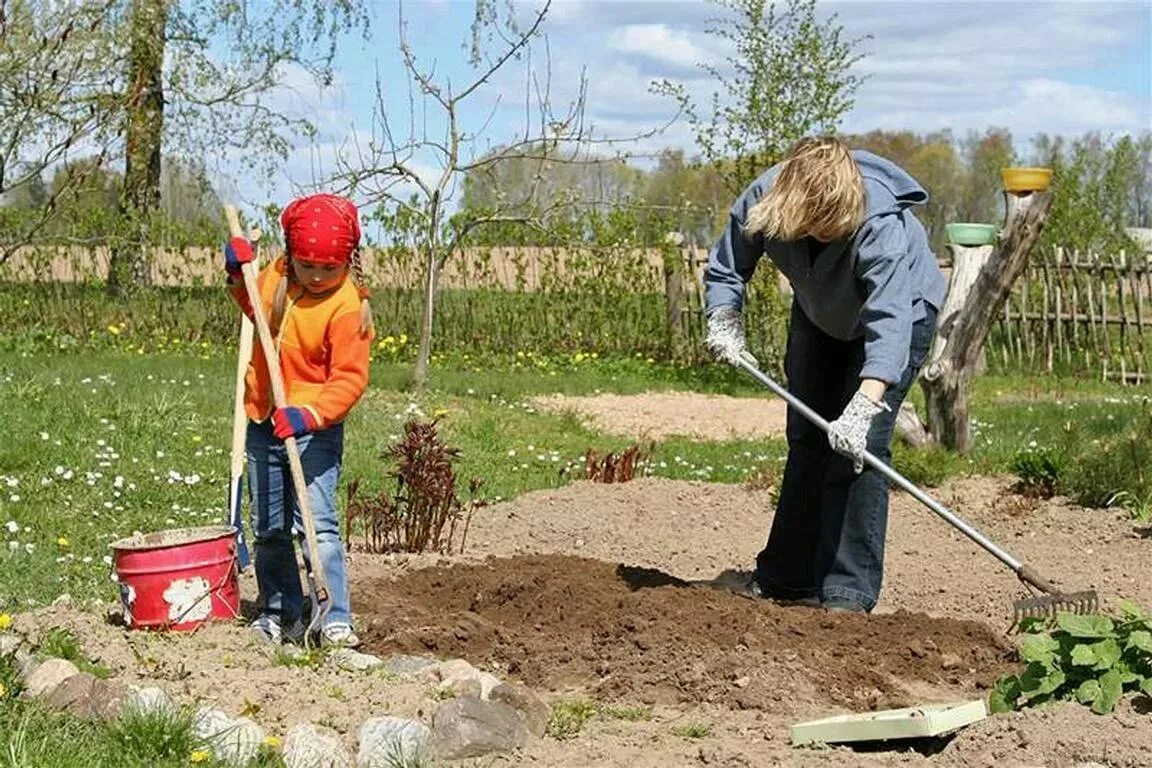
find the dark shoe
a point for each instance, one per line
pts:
(843, 605)
(753, 589)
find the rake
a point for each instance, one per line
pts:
(1047, 604)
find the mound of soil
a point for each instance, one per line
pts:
(636, 633)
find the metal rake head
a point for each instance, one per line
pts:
(1047, 606)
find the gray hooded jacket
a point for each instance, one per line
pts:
(873, 285)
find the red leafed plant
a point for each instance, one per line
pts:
(424, 512)
(616, 467)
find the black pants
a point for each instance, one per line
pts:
(827, 538)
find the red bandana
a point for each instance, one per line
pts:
(321, 228)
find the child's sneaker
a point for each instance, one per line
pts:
(339, 636)
(267, 628)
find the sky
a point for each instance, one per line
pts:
(1061, 68)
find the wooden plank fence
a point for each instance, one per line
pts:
(1083, 312)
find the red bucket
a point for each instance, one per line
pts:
(178, 579)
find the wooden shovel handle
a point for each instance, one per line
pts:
(280, 400)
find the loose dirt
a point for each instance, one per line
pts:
(639, 633)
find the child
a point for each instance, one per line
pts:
(322, 325)
(866, 290)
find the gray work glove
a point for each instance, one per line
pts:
(848, 435)
(725, 339)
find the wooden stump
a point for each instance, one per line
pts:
(967, 318)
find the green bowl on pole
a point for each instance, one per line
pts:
(969, 234)
(1026, 179)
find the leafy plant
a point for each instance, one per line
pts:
(424, 511)
(1038, 470)
(926, 466)
(1093, 659)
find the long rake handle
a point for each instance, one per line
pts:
(280, 400)
(1024, 572)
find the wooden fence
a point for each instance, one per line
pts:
(1084, 312)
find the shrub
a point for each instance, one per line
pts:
(927, 466)
(425, 510)
(1116, 470)
(1038, 471)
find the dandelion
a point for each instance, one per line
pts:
(114, 330)
(63, 542)
(272, 742)
(5, 621)
(200, 756)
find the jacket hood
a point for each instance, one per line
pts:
(888, 188)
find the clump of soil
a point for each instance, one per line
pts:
(637, 633)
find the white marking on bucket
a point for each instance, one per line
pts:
(188, 600)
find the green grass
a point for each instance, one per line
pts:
(99, 444)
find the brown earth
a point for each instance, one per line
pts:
(623, 631)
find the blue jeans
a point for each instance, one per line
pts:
(827, 538)
(276, 519)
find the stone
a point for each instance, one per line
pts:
(149, 700)
(87, 697)
(389, 741)
(530, 706)
(409, 666)
(457, 669)
(464, 728)
(10, 644)
(234, 741)
(354, 661)
(463, 687)
(309, 746)
(44, 678)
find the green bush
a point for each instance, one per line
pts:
(928, 466)
(1113, 470)
(1038, 470)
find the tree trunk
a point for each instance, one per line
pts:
(960, 339)
(424, 348)
(144, 129)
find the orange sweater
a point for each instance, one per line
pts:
(323, 355)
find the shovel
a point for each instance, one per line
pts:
(239, 436)
(318, 584)
(1046, 605)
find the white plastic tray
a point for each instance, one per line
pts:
(908, 723)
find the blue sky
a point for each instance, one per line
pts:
(1054, 67)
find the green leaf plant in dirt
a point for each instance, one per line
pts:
(1093, 659)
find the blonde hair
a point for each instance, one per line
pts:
(818, 191)
(280, 298)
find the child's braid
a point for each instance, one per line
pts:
(367, 323)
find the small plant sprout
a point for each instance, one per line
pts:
(568, 717)
(693, 731)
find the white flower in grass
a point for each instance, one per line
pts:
(29, 548)
(12, 526)
(15, 497)
(13, 545)
(43, 435)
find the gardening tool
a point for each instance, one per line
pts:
(318, 584)
(1049, 603)
(239, 435)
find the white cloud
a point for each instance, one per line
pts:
(658, 42)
